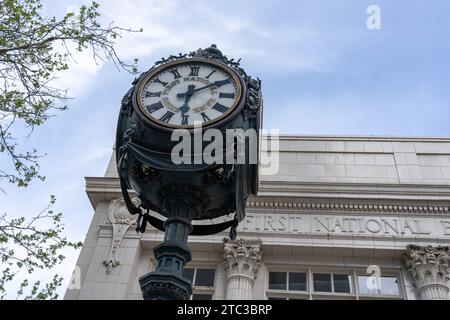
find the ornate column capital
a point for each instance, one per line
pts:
(428, 266)
(242, 257)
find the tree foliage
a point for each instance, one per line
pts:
(27, 245)
(34, 51)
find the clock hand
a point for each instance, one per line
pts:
(185, 107)
(214, 84)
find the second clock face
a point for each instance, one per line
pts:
(190, 92)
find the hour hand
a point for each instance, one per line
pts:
(187, 94)
(218, 83)
(185, 107)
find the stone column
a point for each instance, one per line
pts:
(241, 258)
(429, 269)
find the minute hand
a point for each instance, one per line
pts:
(214, 84)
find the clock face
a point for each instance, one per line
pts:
(190, 92)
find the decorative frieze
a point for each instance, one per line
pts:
(350, 207)
(121, 221)
(429, 269)
(414, 199)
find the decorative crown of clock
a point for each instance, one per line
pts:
(180, 92)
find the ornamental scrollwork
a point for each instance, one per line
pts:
(121, 221)
(254, 100)
(164, 291)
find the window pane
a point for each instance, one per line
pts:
(202, 297)
(205, 277)
(188, 273)
(322, 282)
(389, 286)
(342, 283)
(368, 286)
(277, 280)
(275, 298)
(378, 285)
(297, 281)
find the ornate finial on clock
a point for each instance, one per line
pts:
(210, 53)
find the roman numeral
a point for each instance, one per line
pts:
(154, 107)
(152, 94)
(159, 81)
(226, 95)
(221, 82)
(209, 75)
(166, 118)
(184, 121)
(220, 108)
(194, 71)
(205, 117)
(175, 73)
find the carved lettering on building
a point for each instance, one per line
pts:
(386, 226)
(446, 227)
(346, 225)
(272, 223)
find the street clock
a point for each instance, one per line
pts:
(188, 95)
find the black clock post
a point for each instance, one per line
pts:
(179, 92)
(181, 204)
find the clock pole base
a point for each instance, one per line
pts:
(164, 285)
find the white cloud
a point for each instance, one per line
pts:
(173, 26)
(176, 26)
(80, 75)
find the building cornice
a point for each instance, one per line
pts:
(322, 197)
(100, 189)
(397, 191)
(360, 138)
(352, 197)
(361, 206)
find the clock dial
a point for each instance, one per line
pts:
(183, 94)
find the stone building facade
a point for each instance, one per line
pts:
(344, 218)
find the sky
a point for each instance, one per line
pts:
(323, 72)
